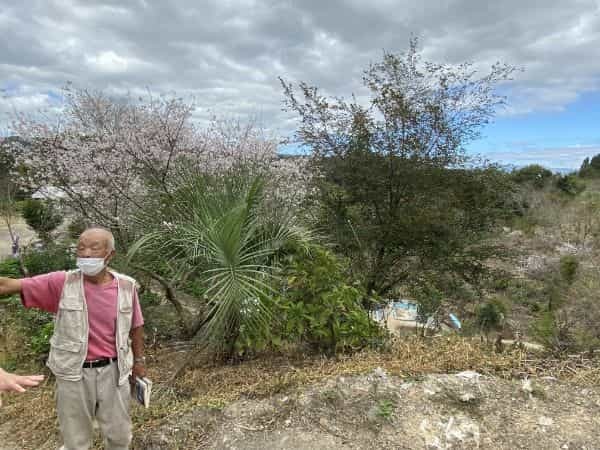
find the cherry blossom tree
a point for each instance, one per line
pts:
(117, 160)
(106, 154)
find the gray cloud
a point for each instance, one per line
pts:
(228, 54)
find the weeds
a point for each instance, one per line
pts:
(385, 409)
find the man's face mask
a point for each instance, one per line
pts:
(91, 266)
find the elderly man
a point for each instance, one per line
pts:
(98, 341)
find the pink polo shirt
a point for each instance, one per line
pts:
(44, 291)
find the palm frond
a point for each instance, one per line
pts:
(220, 228)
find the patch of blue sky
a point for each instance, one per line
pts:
(9, 88)
(54, 98)
(559, 139)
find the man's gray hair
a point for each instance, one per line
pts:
(111, 237)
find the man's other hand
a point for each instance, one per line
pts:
(139, 370)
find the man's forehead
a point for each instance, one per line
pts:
(94, 236)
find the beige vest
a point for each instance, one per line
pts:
(69, 343)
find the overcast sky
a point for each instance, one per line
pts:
(228, 55)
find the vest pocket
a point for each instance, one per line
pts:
(71, 320)
(65, 355)
(125, 319)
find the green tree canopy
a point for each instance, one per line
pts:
(395, 190)
(590, 168)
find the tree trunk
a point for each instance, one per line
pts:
(172, 297)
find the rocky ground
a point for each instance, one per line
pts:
(433, 401)
(376, 411)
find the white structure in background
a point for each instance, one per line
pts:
(400, 317)
(49, 193)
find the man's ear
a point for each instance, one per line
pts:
(110, 256)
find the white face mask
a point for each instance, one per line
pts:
(91, 266)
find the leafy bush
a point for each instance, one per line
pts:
(570, 184)
(76, 227)
(54, 257)
(32, 327)
(40, 340)
(149, 298)
(568, 268)
(318, 306)
(590, 168)
(10, 268)
(574, 326)
(523, 290)
(429, 300)
(545, 330)
(490, 316)
(222, 234)
(42, 216)
(533, 174)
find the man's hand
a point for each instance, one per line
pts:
(139, 370)
(9, 286)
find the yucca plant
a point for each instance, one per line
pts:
(224, 230)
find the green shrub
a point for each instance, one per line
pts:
(319, 307)
(10, 268)
(590, 168)
(40, 340)
(54, 257)
(569, 265)
(429, 300)
(42, 216)
(149, 298)
(544, 329)
(490, 316)
(76, 227)
(570, 184)
(533, 174)
(35, 327)
(500, 284)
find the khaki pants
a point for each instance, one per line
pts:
(97, 395)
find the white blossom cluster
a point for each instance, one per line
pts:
(105, 154)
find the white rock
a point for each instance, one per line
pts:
(469, 375)
(527, 387)
(549, 378)
(461, 430)
(380, 373)
(544, 421)
(467, 397)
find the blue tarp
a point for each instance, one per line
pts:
(455, 321)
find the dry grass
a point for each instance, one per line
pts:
(408, 357)
(217, 385)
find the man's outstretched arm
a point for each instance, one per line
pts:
(10, 286)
